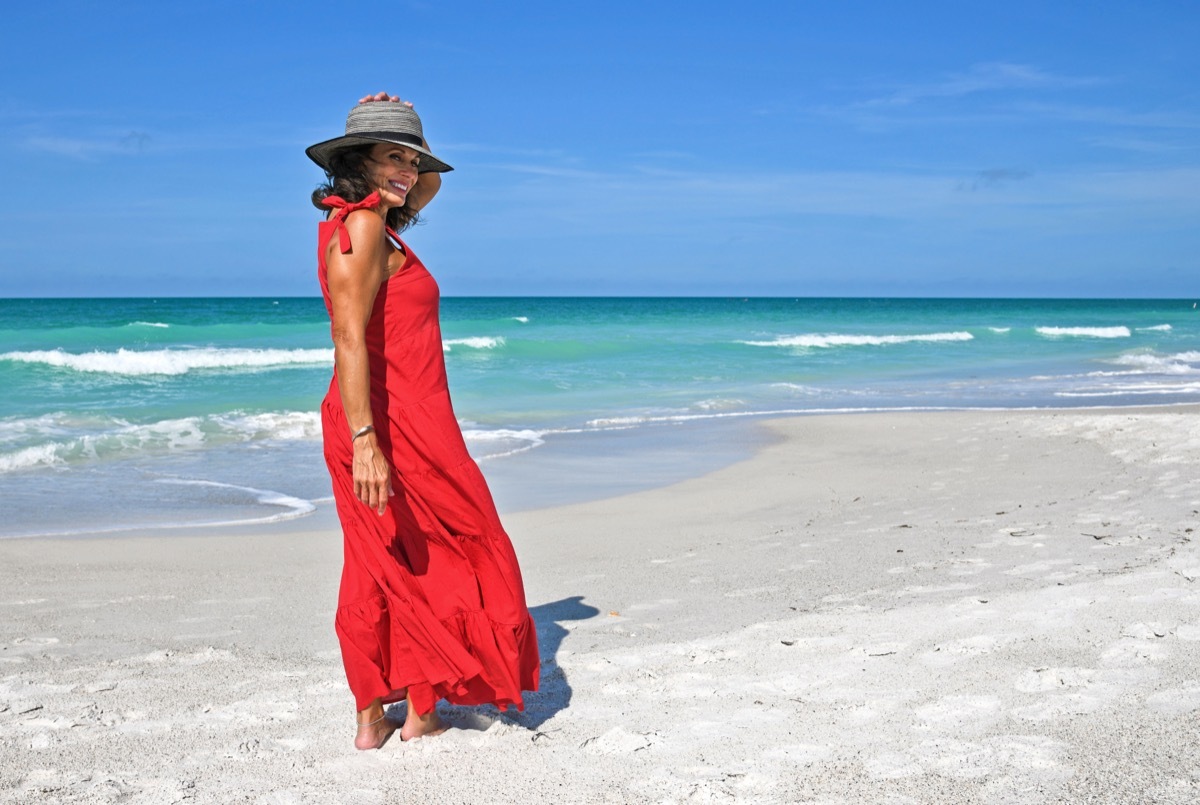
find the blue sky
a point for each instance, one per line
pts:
(616, 148)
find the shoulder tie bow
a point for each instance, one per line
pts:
(344, 208)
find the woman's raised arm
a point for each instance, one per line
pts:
(427, 186)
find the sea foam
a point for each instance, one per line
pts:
(825, 341)
(1085, 332)
(293, 506)
(1134, 389)
(502, 442)
(628, 422)
(1180, 363)
(474, 342)
(171, 361)
(58, 439)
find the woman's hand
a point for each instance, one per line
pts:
(383, 96)
(372, 475)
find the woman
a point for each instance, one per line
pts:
(431, 603)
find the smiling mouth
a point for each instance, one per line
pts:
(403, 188)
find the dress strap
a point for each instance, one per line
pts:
(344, 208)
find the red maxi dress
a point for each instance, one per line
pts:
(431, 596)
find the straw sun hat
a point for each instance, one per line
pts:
(380, 122)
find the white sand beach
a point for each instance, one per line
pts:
(974, 607)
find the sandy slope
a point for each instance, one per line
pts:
(967, 607)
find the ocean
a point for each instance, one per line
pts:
(173, 413)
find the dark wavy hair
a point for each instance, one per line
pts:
(346, 177)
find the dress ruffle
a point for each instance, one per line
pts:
(467, 659)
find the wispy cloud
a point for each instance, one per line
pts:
(480, 148)
(1142, 145)
(1009, 94)
(666, 202)
(131, 142)
(989, 77)
(993, 177)
(1108, 116)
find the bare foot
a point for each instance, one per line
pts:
(426, 726)
(374, 736)
(374, 728)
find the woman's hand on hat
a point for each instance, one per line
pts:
(383, 96)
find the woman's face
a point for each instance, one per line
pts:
(392, 170)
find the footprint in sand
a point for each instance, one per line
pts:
(706, 656)
(1037, 568)
(1131, 651)
(618, 741)
(800, 754)
(751, 592)
(957, 712)
(1146, 631)
(967, 567)
(1058, 706)
(1024, 755)
(892, 766)
(1188, 632)
(205, 655)
(955, 650)
(1177, 701)
(1043, 680)
(958, 759)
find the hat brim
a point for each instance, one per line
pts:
(322, 153)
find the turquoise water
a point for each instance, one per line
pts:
(136, 412)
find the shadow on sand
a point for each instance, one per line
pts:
(554, 693)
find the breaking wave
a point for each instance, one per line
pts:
(826, 341)
(475, 342)
(131, 362)
(1084, 332)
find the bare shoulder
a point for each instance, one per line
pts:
(367, 224)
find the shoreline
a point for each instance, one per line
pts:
(950, 607)
(559, 477)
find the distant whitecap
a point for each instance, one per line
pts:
(477, 342)
(826, 341)
(1085, 332)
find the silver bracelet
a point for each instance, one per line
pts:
(363, 431)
